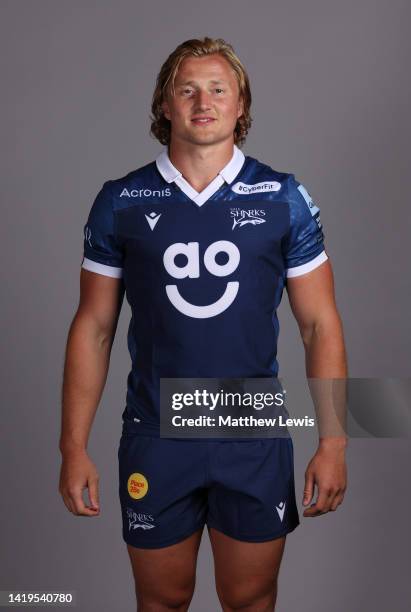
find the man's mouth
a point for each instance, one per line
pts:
(202, 120)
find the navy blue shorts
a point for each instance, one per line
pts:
(171, 488)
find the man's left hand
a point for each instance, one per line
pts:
(327, 470)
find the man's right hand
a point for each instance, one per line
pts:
(77, 473)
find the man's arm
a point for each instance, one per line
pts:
(89, 344)
(312, 301)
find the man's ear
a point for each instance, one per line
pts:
(166, 109)
(240, 108)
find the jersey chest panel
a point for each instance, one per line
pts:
(196, 252)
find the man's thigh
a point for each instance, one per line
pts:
(246, 572)
(165, 577)
(161, 488)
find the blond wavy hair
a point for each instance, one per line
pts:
(160, 125)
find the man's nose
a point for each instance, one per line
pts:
(203, 99)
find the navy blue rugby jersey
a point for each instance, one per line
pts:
(203, 272)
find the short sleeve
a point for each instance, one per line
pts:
(102, 253)
(303, 246)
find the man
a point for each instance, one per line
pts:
(202, 240)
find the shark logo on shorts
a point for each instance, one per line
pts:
(138, 520)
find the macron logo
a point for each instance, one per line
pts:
(152, 219)
(281, 509)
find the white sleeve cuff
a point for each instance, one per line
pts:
(93, 266)
(307, 267)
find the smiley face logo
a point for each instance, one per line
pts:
(192, 270)
(137, 485)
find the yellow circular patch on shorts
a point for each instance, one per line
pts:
(137, 485)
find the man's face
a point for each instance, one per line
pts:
(205, 88)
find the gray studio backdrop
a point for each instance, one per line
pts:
(331, 99)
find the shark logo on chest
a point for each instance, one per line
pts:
(244, 217)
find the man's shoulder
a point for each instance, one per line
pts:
(278, 185)
(134, 177)
(137, 185)
(265, 171)
(266, 177)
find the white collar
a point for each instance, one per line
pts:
(227, 174)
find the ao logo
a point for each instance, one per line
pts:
(192, 270)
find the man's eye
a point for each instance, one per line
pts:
(218, 89)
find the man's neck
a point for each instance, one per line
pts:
(199, 165)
